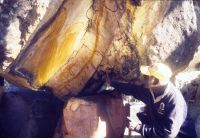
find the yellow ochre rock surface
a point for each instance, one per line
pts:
(65, 53)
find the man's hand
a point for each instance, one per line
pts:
(131, 125)
(105, 87)
(134, 126)
(138, 128)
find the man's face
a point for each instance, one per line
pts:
(152, 82)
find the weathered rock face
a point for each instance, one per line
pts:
(79, 37)
(93, 117)
(175, 41)
(88, 41)
(176, 36)
(18, 21)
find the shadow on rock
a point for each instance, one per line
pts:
(24, 114)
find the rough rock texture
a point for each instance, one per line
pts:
(93, 117)
(176, 34)
(18, 21)
(25, 114)
(80, 51)
(156, 31)
(175, 41)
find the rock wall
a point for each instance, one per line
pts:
(175, 41)
(25, 114)
(18, 21)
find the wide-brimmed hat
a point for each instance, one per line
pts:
(158, 70)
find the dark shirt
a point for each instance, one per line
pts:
(166, 113)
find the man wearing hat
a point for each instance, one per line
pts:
(166, 110)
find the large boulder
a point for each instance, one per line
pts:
(83, 41)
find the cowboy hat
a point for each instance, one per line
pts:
(158, 70)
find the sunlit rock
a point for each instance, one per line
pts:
(19, 21)
(88, 41)
(70, 48)
(93, 117)
(175, 36)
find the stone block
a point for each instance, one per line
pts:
(93, 117)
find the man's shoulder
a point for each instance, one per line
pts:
(172, 91)
(174, 97)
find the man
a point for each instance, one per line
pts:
(166, 109)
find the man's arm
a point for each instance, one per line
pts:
(160, 131)
(137, 91)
